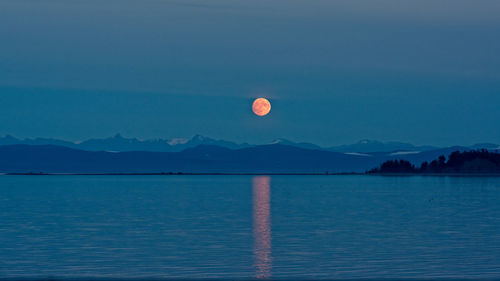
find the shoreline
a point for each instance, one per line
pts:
(261, 174)
(177, 174)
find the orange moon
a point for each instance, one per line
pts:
(261, 106)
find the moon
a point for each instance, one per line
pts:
(261, 106)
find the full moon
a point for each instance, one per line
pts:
(261, 106)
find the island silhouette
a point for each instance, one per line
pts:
(458, 162)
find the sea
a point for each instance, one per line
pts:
(249, 227)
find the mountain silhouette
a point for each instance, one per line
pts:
(119, 143)
(201, 159)
(273, 158)
(367, 146)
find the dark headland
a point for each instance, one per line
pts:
(458, 162)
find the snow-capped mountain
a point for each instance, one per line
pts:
(121, 143)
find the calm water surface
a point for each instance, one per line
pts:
(249, 227)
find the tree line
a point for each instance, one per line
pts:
(475, 161)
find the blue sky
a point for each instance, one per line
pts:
(426, 72)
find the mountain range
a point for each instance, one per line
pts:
(201, 154)
(271, 158)
(120, 143)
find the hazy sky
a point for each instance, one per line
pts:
(426, 72)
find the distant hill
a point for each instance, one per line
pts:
(204, 158)
(367, 146)
(363, 146)
(274, 158)
(10, 140)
